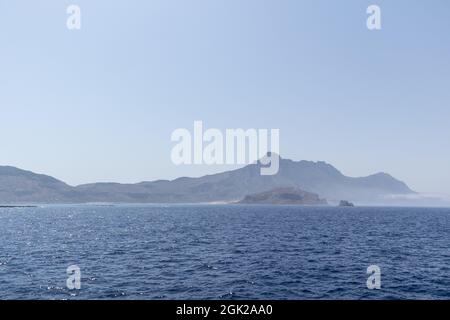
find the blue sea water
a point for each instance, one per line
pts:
(224, 252)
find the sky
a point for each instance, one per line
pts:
(100, 103)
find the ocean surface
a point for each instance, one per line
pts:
(224, 252)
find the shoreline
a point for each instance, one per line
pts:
(6, 206)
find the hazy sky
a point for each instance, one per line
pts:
(100, 104)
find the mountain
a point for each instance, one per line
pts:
(284, 196)
(19, 186)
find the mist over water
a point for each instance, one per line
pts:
(224, 252)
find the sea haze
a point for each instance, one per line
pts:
(224, 252)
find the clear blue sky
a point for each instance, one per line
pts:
(100, 104)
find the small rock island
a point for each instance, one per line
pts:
(286, 196)
(345, 203)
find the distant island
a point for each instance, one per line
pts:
(291, 196)
(23, 187)
(345, 203)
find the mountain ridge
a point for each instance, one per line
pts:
(321, 178)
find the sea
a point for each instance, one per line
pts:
(223, 252)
